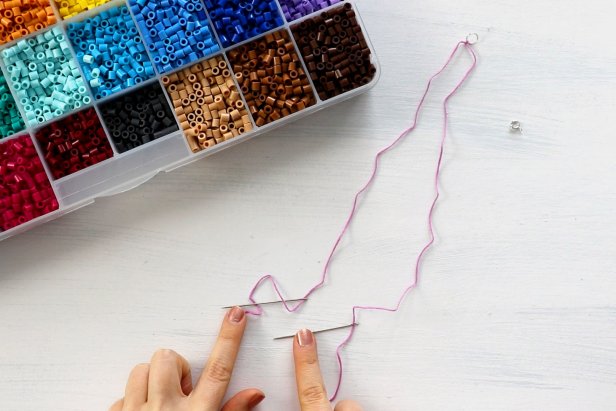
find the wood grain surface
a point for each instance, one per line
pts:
(517, 304)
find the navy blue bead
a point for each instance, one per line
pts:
(239, 20)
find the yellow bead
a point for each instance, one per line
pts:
(70, 8)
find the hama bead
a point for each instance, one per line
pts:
(295, 9)
(271, 77)
(177, 32)
(19, 18)
(239, 20)
(58, 86)
(335, 51)
(74, 143)
(138, 117)
(70, 8)
(207, 103)
(25, 191)
(110, 51)
(10, 119)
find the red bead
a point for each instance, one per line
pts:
(40, 177)
(22, 178)
(30, 152)
(37, 196)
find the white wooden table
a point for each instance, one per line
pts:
(517, 304)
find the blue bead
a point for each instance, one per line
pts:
(118, 57)
(177, 26)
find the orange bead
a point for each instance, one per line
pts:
(42, 15)
(21, 17)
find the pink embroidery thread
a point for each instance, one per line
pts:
(468, 46)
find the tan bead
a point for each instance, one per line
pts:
(207, 103)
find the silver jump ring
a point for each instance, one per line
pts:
(472, 38)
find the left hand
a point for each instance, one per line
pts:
(165, 384)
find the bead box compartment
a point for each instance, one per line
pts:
(73, 143)
(70, 8)
(234, 116)
(20, 18)
(208, 105)
(240, 20)
(25, 191)
(110, 51)
(192, 38)
(10, 119)
(45, 59)
(274, 82)
(137, 118)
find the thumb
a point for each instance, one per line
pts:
(244, 400)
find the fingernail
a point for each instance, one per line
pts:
(255, 400)
(236, 315)
(305, 337)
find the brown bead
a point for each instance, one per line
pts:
(337, 56)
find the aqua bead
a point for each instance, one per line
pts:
(39, 67)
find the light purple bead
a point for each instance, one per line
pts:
(295, 9)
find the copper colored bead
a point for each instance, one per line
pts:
(275, 78)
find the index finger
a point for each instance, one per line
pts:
(214, 380)
(310, 387)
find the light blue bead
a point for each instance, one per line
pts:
(115, 49)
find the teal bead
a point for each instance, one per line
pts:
(10, 119)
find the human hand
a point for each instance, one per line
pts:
(165, 384)
(310, 387)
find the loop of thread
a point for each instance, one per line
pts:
(468, 46)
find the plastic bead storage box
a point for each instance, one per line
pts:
(97, 97)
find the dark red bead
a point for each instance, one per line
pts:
(67, 143)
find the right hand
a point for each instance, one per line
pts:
(310, 387)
